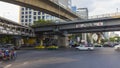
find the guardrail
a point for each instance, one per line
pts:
(117, 14)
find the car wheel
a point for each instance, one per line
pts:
(89, 49)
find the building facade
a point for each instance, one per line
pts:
(63, 3)
(82, 12)
(28, 16)
(74, 8)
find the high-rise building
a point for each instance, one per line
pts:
(28, 16)
(83, 13)
(74, 8)
(64, 3)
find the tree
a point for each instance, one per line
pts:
(115, 39)
(43, 22)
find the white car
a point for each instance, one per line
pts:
(83, 47)
(117, 47)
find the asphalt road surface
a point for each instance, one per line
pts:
(99, 58)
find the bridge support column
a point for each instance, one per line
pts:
(63, 40)
(17, 41)
(90, 37)
(84, 36)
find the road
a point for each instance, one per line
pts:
(100, 58)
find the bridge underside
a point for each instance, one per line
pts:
(85, 30)
(8, 27)
(45, 6)
(83, 26)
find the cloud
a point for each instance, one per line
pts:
(97, 7)
(8, 12)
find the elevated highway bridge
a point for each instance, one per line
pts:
(82, 26)
(8, 27)
(46, 6)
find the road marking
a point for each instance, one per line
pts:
(7, 66)
(25, 63)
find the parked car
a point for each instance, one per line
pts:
(98, 45)
(85, 47)
(12, 46)
(117, 47)
(107, 45)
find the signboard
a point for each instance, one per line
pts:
(95, 36)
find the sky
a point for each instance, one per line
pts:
(97, 7)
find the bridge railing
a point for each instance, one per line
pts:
(112, 15)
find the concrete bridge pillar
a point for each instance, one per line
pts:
(17, 41)
(63, 40)
(84, 36)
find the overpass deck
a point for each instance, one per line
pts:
(46, 6)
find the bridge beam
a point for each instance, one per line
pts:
(45, 6)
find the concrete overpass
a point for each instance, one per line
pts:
(46, 6)
(8, 27)
(81, 26)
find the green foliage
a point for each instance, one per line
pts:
(5, 39)
(43, 22)
(115, 39)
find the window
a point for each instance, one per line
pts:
(38, 17)
(30, 12)
(22, 8)
(43, 17)
(25, 23)
(29, 16)
(26, 12)
(22, 12)
(26, 16)
(26, 20)
(22, 20)
(22, 16)
(34, 17)
(34, 13)
(29, 20)
(38, 13)
(27, 8)
(30, 24)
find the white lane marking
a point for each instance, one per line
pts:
(25, 63)
(7, 66)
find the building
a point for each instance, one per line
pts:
(64, 3)
(82, 12)
(74, 8)
(28, 16)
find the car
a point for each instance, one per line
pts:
(85, 47)
(98, 45)
(107, 45)
(117, 47)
